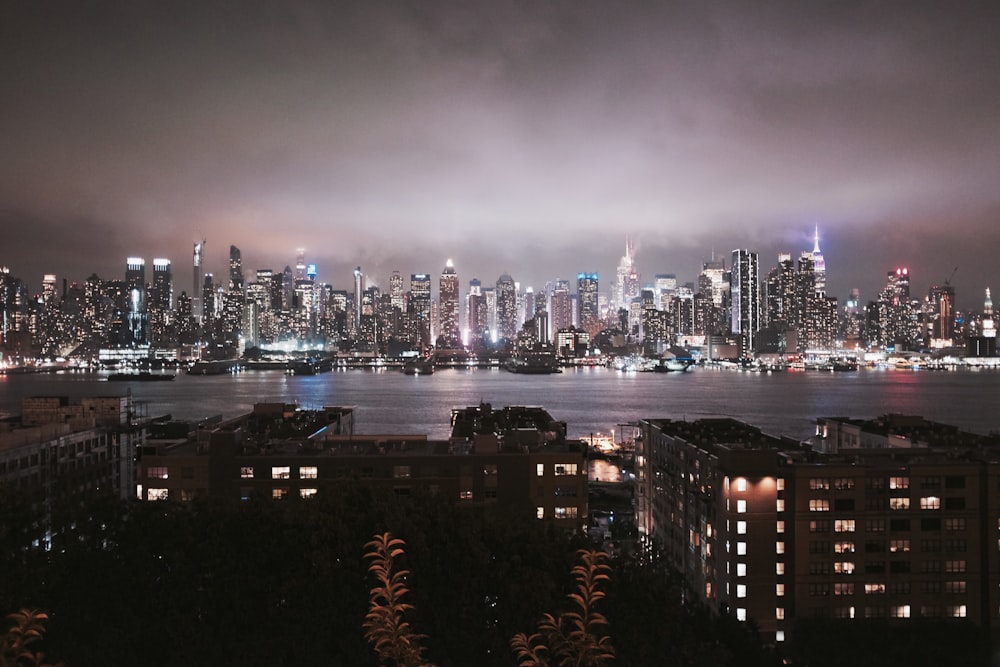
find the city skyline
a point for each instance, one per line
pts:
(503, 136)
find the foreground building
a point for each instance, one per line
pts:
(517, 457)
(894, 518)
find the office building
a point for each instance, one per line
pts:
(448, 307)
(745, 298)
(587, 290)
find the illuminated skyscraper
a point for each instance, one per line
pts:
(235, 269)
(745, 293)
(161, 300)
(586, 290)
(138, 314)
(506, 295)
(300, 264)
(448, 305)
(819, 265)
(420, 305)
(197, 308)
(359, 289)
(396, 291)
(941, 299)
(478, 315)
(561, 307)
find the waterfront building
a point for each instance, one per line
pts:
(161, 301)
(137, 306)
(745, 295)
(561, 306)
(892, 518)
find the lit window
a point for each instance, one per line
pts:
(279, 494)
(874, 589)
(741, 484)
(843, 567)
(779, 568)
(954, 587)
(741, 527)
(819, 505)
(899, 503)
(781, 484)
(954, 566)
(465, 494)
(843, 526)
(741, 590)
(843, 547)
(741, 548)
(565, 512)
(158, 472)
(899, 546)
(779, 636)
(741, 614)
(281, 472)
(901, 611)
(539, 512)
(741, 506)
(780, 505)
(779, 547)
(490, 469)
(957, 611)
(780, 527)
(843, 589)
(779, 613)
(779, 590)
(899, 482)
(819, 484)
(307, 493)
(157, 494)
(565, 469)
(401, 472)
(930, 503)
(307, 472)
(741, 569)
(246, 472)
(540, 469)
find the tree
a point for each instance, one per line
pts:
(394, 640)
(576, 638)
(18, 644)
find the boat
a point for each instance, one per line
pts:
(143, 376)
(539, 364)
(419, 366)
(673, 365)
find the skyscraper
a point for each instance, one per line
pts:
(819, 265)
(235, 269)
(197, 307)
(561, 310)
(448, 308)
(478, 316)
(359, 289)
(506, 295)
(396, 291)
(745, 291)
(586, 290)
(135, 286)
(420, 305)
(161, 301)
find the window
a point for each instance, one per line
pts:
(954, 524)
(779, 527)
(308, 472)
(899, 566)
(565, 512)
(955, 545)
(898, 525)
(899, 503)
(780, 484)
(843, 589)
(874, 589)
(779, 613)
(540, 469)
(741, 527)
(954, 587)
(465, 494)
(930, 482)
(843, 547)
(157, 494)
(819, 547)
(779, 547)
(741, 506)
(819, 590)
(930, 546)
(565, 469)
(187, 472)
(279, 494)
(900, 611)
(779, 590)
(875, 567)
(899, 482)
(843, 526)
(875, 525)
(779, 505)
(929, 566)
(819, 567)
(490, 469)
(539, 512)
(819, 505)
(158, 472)
(899, 588)
(819, 526)
(930, 524)
(741, 590)
(741, 548)
(566, 491)
(843, 504)
(843, 483)
(281, 472)
(741, 614)
(954, 566)
(874, 546)
(307, 493)
(957, 503)
(741, 569)
(930, 503)
(819, 484)
(246, 472)
(899, 546)
(741, 484)
(954, 482)
(779, 568)
(958, 611)
(843, 567)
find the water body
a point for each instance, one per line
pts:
(592, 400)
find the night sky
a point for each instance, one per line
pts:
(525, 137)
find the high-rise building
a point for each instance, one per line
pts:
(896, 324)
(235, 269)
(300, 264)
(138, 308)
(359, 289)
(420, 306)
(745, 293)
(196, 301)
(448, 306)
(942, 305)
(478, 315)
(819, 266)
(626, 287)
(561, 307)
(590, 315)
(664, 287)
(161, 301)
(506, 295)
(396, 291)
(782, 293)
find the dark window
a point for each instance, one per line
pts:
(899, 524)
(954, 482)
(843, 504)
(954, 503)
(899, 566)
(930, 524)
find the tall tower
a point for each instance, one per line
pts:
(586, 290)
(745, 291)
(420, 304)
(235, 269)
(506, 296)
(396, 291)
(135, 287)
(448, 309)
(819, 265)
(197, 308)
(300, 264)
(359, 293)
(477, 317)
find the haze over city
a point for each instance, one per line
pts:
(521, 138)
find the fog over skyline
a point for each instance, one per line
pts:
(516, 137)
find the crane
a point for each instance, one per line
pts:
(953, 272)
